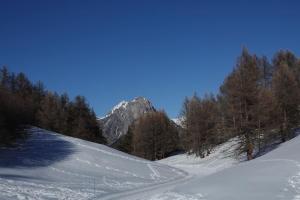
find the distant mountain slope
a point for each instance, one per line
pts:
(115, 123)
(52, 166)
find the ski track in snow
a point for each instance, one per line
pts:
(177, 196)
(109, 168)
(155, 174)
(149, 191)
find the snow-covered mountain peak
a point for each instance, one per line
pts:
(120, 105)
(115, 123)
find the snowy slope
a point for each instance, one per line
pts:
(276, 175)
(52, 166)
(221, 157)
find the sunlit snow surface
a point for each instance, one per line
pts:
(221, 157)
(51, 166)
(276, 175)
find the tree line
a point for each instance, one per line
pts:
(258, 102)
(25, 103)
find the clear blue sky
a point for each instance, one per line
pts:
(110, 51)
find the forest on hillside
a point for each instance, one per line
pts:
(259, 102)
(24, 104)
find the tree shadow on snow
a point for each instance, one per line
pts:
(40, 149)
(275, 143)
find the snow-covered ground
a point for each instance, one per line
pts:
(52, 166)
(275, 175)
(221, 157)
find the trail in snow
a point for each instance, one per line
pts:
(221, 158)
(146, 192)
(155, 174)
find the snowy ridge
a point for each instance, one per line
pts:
(115, 124)
(122, 104)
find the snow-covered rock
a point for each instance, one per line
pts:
(115, 123)
(178, 121)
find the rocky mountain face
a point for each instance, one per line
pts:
(115, 124)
